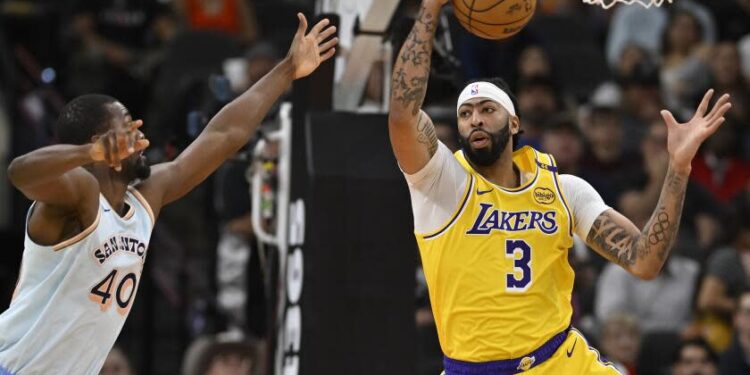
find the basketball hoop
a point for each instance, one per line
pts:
(606, 4)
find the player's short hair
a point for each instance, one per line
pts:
(499, 82)
(83, 118)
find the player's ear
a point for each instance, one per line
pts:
(515, 124)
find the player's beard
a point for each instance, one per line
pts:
(488, 155)
(137, 168)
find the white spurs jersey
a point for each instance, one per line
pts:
(72, 299)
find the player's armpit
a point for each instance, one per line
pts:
(414, 143)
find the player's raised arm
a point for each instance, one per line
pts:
(644, 252)
(233, 126)
(411, 131)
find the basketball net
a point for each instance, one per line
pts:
(606, 4)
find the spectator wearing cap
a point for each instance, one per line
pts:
(736, 359)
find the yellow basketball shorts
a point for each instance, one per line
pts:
(573, 357)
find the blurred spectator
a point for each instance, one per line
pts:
(719, 167)
(634, 26)
(538, 102)
(660, 305)
(372, 98)
(116, 363)
(632, 55)
(607, 166)
(446, 128)
(733, 15)
(695, 357)
(219, 356)
(644, 27)
(563, 140)
(621, 341)
(729, 79)
(641, 103)
(736, 359)
(684, 51)
(113, 38)
(726, 276)
(233, 17)
(533, 62)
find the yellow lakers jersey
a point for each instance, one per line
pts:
(498, 274)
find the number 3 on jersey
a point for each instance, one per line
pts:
(101, 293)
(521, 266)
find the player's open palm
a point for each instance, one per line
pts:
(684, 139)
(309, 50)
(118, 144)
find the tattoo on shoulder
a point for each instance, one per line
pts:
(613, 239)
(427, 135)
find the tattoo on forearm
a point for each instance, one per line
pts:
(412, 70)
(657, 236)
(427, 135)
(615, 240)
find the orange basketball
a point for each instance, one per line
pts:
(494, 19)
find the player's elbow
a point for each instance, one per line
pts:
(15, 171)
(645, 273)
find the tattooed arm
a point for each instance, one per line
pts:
(644, 252)
(411, 131)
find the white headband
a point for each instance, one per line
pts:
(486, 90)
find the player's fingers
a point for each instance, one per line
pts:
(668, 118)
(325, 34)
(302, 24)
(329, 44)
(319, 26)
(704, 103)
(714, 126)
(719, 112)
(718, 106)
(328, 54)
(133, 125)
(131, 138)
(141, 144)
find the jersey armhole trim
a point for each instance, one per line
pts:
(556, 177)
(467, 194)
(144, 202)
(80, 236)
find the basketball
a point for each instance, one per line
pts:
(494, 19)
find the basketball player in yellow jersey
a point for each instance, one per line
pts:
(494, 226)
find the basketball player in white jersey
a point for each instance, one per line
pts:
(87, 231)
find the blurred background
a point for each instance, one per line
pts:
(589, 83)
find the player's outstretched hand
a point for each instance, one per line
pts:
(684, 139)
(117, 144)
(310, 49)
